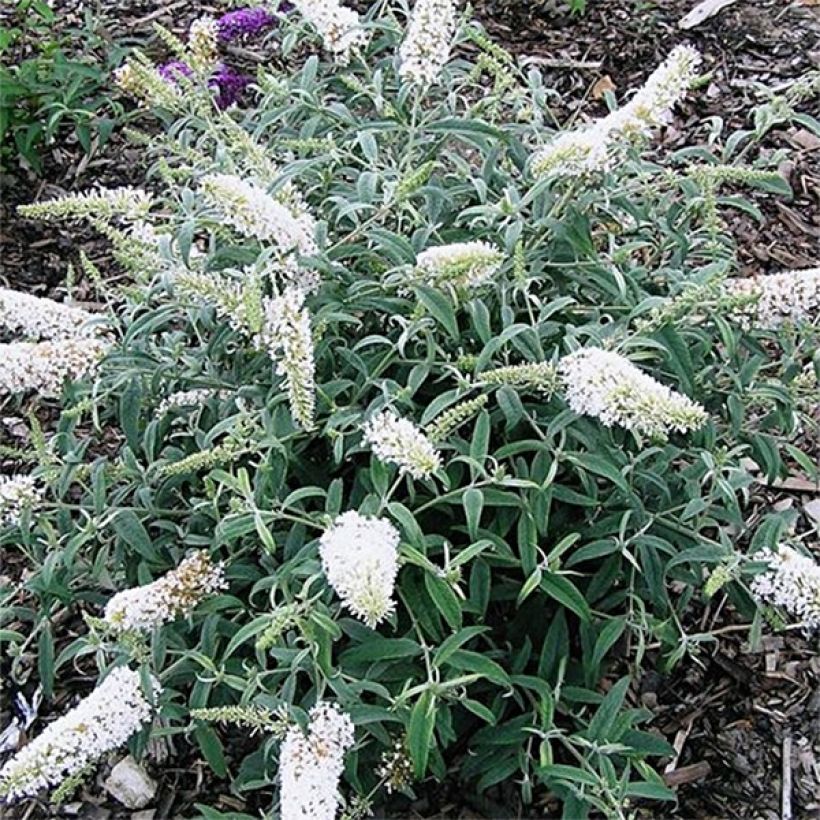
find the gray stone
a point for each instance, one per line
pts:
(130, 784)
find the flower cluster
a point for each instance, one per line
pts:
(791, 582)
(185, 398)
(140, 79)
(239, 303)
(234, 25)
(101, 723)
(45, 366)
(229, 85)
(396, 767)
(460, 265)
(174, 595)
(338, 26)
(452, 418)
(310, 765)
(360, 560)
(203, 39)
(609, 387)
(37, 318)
(427, 44)
(588, 150)
(17, 493)
(779, 298)
(398, 441)
(71, 349)
(253, 212)
(539, 376)
(287, 337)
(128, 203)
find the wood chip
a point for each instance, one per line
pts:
(703, 11)
(687, 774)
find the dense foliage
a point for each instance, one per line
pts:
(543, 545)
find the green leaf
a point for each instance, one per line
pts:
(133, 534)
(604, 719)
(420, 732)
(45, 660)
(473, 502)
(130, 413)
(440, 308)
(566, 593)
(381, 649)
(444, 598)
(211, 748)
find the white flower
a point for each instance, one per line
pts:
(573, 153)
(37, 318)
(460, 264)
(43, 367)
(287, 337)
(17, 493)
(360, 560)
(791, 582)
(129, 203)
(793, 296)
(608, 386)
(427, 44)
(203, 44)
(338, 26)
(101, 723)
(311, 765)
(399, 441)
(588, 150)
(253, 212)
(186, 398)
(174, 595)
(652, 104)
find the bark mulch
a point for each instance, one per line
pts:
(745, 721)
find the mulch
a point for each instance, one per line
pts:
(745, 720)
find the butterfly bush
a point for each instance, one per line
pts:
(427, 44)
(793, 296)
(398, 441)
(311, 764)
(606, 385)
(17, 493)
(589, 150)
(337, 25)
(461, 415)
(360, 560)
(101, 723)
(172, 596)
(791, 582)
(460, 265)
(251, 211)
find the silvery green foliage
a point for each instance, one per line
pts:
(573, 400)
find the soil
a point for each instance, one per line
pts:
(730, 710)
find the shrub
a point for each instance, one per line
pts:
(452, 443)
(55, 88)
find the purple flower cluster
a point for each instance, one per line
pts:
(171, 72)
(243, 22)
(229, 85)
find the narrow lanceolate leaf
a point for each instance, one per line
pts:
(420, 732)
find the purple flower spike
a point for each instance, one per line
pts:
(229, 85)
(243, 22)
(171, 72)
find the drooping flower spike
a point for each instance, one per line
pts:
(101, 723)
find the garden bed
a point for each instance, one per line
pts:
(731, 710)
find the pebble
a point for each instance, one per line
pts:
(130, 784)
